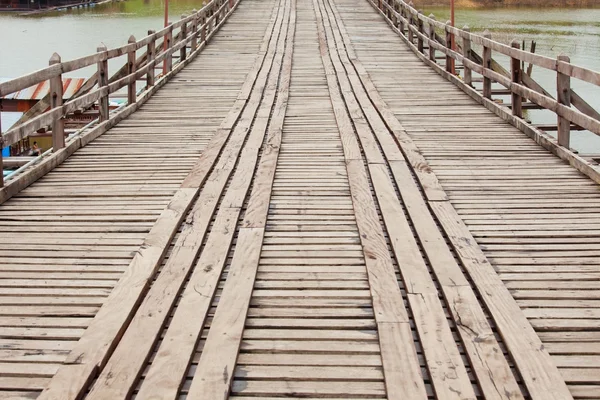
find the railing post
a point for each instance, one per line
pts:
(563, 85)
(395, 14)
(169, 56)
(516, 71)
(184, 34)
(203, 27)
(432, 38)
(215, 11)
(449, 59)
(410, 20)
(467, 55)
(487, 64)
(56, 100)
(103, 81)
(420, 28)
(194, 43)
(150, 56)
(131, 68)
(401, 19)
(1, 148)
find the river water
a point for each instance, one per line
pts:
(75, 33)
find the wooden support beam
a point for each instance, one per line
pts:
(56, 100)
(410, 21)
(401, 20)
(419, 37)
(150, 54)
(194, 42)
(432, 38)
(487, 63)
(516, 73)
(131, 68)
(1, 147)
(449, 60)
(103, 81)
(530, 67)
(184, 34)
(468, 77)
(203, 26)
(563, 87)
(169, 43)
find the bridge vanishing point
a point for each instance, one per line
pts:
(308, 203)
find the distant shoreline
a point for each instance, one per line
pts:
(513, 3)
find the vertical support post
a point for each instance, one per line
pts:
(487, 64)
(150, 56)
(516, 71)
(131, 68)
(168, 43)
(401, 19)
(467, 55)
(103, 81)
(194, 42)
(184, 34)
(203, 27)
(1, 148)
(449, 59)
(563, 85)
(420, 28)
(432, 38)
(216, 14)
(56, 100)
(395, 13)
(410, 21)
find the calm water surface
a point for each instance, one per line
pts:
(571, 31)
(75, 33)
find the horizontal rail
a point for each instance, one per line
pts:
(180, 40)
(414, 25)
(408, 24)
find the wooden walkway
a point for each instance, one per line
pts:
(327, 218)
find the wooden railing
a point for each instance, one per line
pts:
(185, 37)
(427, 36)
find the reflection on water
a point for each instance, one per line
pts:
(573, 31)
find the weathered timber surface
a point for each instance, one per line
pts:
(533, 215)
(68, 239)
(305, 211)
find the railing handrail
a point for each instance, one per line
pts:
(572, 70)
(187, 42)
(571, 110)
(44, 74)
(408, 16)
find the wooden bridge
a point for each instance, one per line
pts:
(306, 202)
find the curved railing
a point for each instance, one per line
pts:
(187, 36)
(572, 112)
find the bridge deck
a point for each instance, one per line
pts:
(355, 227)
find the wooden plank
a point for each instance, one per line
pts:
(64, 383)
(149, 322)
(400, 365)
(535, 364)
(215, 368)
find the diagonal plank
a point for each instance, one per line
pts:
(448, 373)
(490, 366)
(214, 372)
(533, 361)
(106, 329)
(175, 352)
(401, 368)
